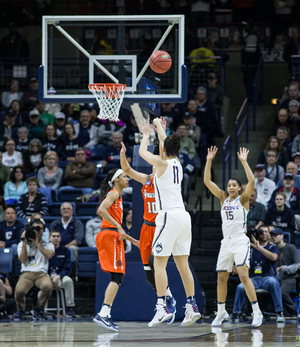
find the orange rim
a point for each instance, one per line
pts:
(107, 85)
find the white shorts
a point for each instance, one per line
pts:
(235, 250)
(173, 234)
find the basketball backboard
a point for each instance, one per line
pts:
(80, 50)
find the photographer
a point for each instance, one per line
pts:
(5, 290)
(34, 254)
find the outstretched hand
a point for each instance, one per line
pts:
(145, 127)
(163, 123)
(123, 149)
(211, 153)
(255, 243)
(243, 155)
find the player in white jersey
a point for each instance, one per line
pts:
(173, 224)
(235, 246)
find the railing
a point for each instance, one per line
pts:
(238, 130)
(227, 158)
(258, 89)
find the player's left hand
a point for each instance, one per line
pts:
(243, 155)
(145, 127)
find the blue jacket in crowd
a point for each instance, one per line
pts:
(61, 262)
(11, 234)
(294, 199)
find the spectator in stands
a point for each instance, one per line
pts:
(169, 110)
(33, 201)
(10, 230)
(292, 196)
(264, 186)
(285, 95)
(283, 136)
(16, 186)
(45, 117)
(188, 168)
(35, 126)
(283, 120)
(274, 144)
(4, 172)
(60, 122)
(293, 112)
(127, 221)
(50, 175)
(193, 130)
(205, 106)
(70, 143)
(279, 215)
(9, 128)
(31, 96)
(11, 157)
(3, 207)
(251, 55)
(70, 228)
(130, 131)
(22, 141)
(296, 159)
(84, 128)
(291, 168)
(33, 160)
(106, 130)
(13, 47)
(287, 256)
(3, 140)
(273, 171)
(34, 254)
(13, 94)
(6, 306)
(111, 158)
(293, 95)
(21, 117)
(60, 269)
(262, 273)
(91, 230)
(50, 140)
(257, 212)
(296, 145)
(292, 47)
(215, 92)
(186, 143)
(80, 173)
(68, 111)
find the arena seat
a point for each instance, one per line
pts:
(54, 209)
(70, 194)
(6, 260)
(88, 209)
(287, 237)
(87, 259)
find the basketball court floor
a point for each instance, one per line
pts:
(83, 332)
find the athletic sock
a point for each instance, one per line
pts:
(221, 307)
(161, 300)
(191, 300)
(255, 307)
(168, 292)
(105, 311)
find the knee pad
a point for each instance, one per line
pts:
(117, 278)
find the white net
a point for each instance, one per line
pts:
(109, 97)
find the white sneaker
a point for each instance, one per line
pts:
(162, 314)
(219, 319)
(257, 319)
(192, 314)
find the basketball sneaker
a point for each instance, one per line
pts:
(219, 319)
(162, 314)
(257, 319)
(192, 314)
(19, 315)
(106, 322)
(171, 303)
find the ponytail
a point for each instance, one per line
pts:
(105, 187)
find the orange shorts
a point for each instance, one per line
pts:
(146, 239)
(111, 251)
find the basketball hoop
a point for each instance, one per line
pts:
(109, 97)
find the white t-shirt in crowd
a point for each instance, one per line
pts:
(12, 160)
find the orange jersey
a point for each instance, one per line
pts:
(148, 192)
(116, 212)
(146, 238)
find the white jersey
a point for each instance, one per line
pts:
(168, 187)
(234, 217)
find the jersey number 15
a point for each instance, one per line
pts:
(229, 215)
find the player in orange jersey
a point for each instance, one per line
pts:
(148, 227)
(109, 241)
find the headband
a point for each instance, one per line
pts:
(116, 175)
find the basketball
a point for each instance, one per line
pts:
(160, 61)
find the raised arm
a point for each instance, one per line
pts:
(245, 197)
(216, 191)
(129, 171)
(152, 159)
(160, 128)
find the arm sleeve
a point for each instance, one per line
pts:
(6, 193)
(67, 267)
(78, 231)
(262, 213)
(58, 182)
(41, 176)
(291, 269)
(89, 235)
(44, 206)
(19, 207)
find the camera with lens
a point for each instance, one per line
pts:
(30, 231)
(3, 277)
